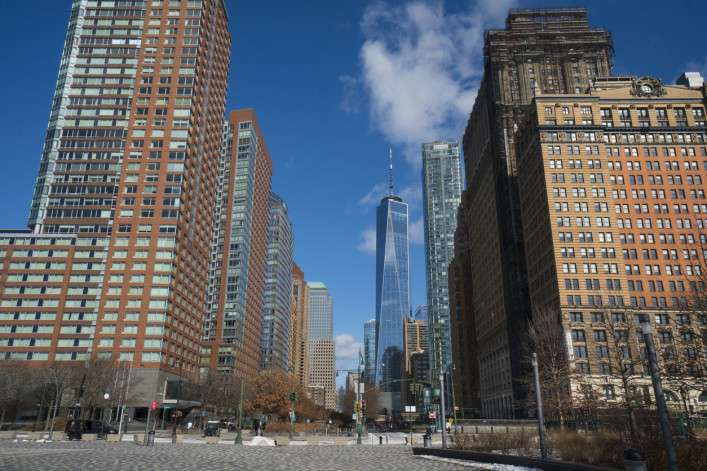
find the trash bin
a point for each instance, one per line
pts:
(634, 460)
(427, 440)
(150, 438)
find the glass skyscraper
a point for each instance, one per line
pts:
(369, 351)
(441, 192)
(392, 291)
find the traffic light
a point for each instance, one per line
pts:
(295, 397)
(356, 407)
(363, 407)
(292, 396)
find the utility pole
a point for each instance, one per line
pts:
(292, 399)
(359, 423)
(441, 412)
(665, 430)
(179, 392)
(539, 403)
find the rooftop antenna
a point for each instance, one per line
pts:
(391, 172)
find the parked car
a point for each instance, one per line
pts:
(94, 426)
(212, 429)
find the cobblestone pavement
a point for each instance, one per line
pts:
(126, 456)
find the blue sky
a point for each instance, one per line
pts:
(334, 85)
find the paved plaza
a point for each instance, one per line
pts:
(127, 456)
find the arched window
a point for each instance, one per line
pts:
(670, 397)
(703, 396)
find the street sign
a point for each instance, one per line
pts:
(153, 406)
(456, 407)
(451, 420)
(355, 416)
(203, 413)
(433, 414)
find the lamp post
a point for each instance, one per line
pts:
(106, 396)
(292, 399)
(239, 435)
(539, 404)
(666, 431)
(179, 392)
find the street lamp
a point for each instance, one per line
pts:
(106, 396)
(179, 392)
(292, 400)
(239, 435)
(360, 415)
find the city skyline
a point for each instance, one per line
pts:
(28, 94)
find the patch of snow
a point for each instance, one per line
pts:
(261, 441)
(477, 465)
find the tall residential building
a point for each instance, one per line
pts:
(231, 335)
(441, 193)
(392, 291)
(416, 339)
(299, 326)
(117, 260)
(321, 343)
(612, 185)
(549, 51)
(461, 319)
(369, 351)
(277, 297)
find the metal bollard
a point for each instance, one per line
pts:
(151, 438)
(380, 439)
(634, 460)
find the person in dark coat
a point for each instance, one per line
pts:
(72, 430)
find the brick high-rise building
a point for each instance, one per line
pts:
(416, 339)
(539, 51)
(299, 326)
(612, 191)
(116, 263)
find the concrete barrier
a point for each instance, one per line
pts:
(211, 440)
(58, 436)
(313, 441)
(139, 438)
(231, 436)
(414, 440)
(35, 435)
(282, 441)
(340, 441)
(179, 438)
(89, 437)
(114, 437)
(8, 435)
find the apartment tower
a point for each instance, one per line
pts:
(299, 326)
(116, 262)
(441, 194)
(277, 297)
(550, 51)
(612, 185)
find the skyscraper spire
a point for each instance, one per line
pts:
(391, 172)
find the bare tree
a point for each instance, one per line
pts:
(616, 341)
(545, 337)
(60, 377)
(14, 385)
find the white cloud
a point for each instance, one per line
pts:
(368, 244)
(417, 232)
(373, 197)
(347, 348)
(421, 68)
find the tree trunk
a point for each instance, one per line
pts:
(2, 418)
